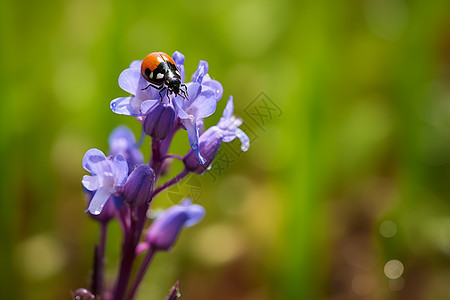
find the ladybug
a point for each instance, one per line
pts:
(160, 70)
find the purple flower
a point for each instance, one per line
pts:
(139, 186)
(203, 96)
(142, 98)
(131, 81)
(209, 143)
(156, 114)
(122, 141)
(166, 228)
(108, 174)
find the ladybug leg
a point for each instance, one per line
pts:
(185, 92)
(161, 96)
(158, 87)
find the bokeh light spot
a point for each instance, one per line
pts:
(388, 229)
(363, 285)
(40, 256)
(393, 269)
(396, 284)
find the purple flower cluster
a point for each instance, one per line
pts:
(123, 186)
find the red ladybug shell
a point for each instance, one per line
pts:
(160, 70)
(155, 66)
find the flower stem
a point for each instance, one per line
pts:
(171, 182)
(128, 256)
(172, 156)
(99, 259)
(140, 274)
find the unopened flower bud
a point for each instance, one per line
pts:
(166, 228)
(82, 294)
(159, 121)
(209, 144)
(139, 187)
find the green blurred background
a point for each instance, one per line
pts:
(344, 193)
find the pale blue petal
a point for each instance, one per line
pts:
(182, 72)
(204, 105)
(244, 139)
(214, 85)
(90, 182)
(228, 136)
(146, 92)
(193, 135)
(194, 90)
(136, 64)
(147, 104)
(178, 103)
(179, 58)
(98, 201)
(94, 161)
(129, 79)
(201, 71)
(185, 202)
(195, 213)
(121, 133)
(121, 170)
(123, 106)
(228, 111)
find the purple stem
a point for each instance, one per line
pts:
(101, 256)
(138, 217)
(128, 256)
(155, 159)
(140, 274)
(99, 259)
(172, 156)
(171, 182)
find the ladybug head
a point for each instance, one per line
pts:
(174, 85)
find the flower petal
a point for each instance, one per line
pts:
(147, 104)
(228, 111)
(179, 58)
(195, 214)
(136, 64)
(203, 106)
(90, 182)
(121, 134)
(165, 230)
(193, 135)
(201, 71)
(146, 92)
(121, 170)
(98, 201)
(194, 90)
(122, 141)
(214, 85)
(94, 161)
(124, 106)
(129, 80)
(178, 103)
(244, 139)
